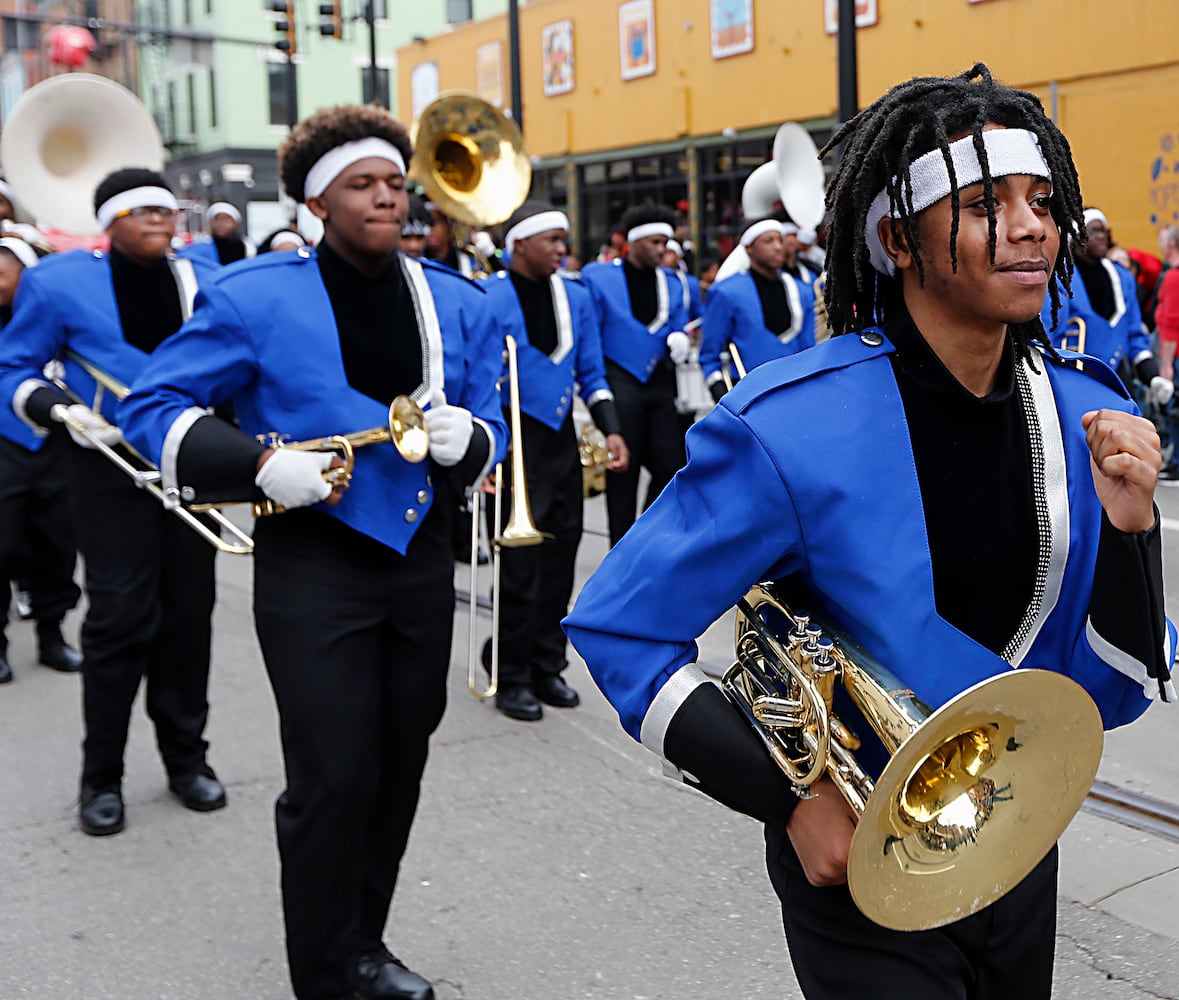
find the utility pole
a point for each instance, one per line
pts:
(849, 99)
(370, 16)
(514, 62)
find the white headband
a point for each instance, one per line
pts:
(542, 222)
(674, 246)
(335, 161)
(140, 197)
(807, 235)
(789, 229)
(7, 191)
(1009, 151)
(760, 229)
(20, 250)
(281, 239)
(1097, 214)
(650, 229)
(224, 208)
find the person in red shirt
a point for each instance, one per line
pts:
(1166, 315)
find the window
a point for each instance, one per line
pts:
(191, 117)
(188, 11)
(279, 75)
(172, 122)
(212, 98)
(366, 86)
(458, 11)
(380, 9)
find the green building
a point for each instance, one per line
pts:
(223, 105)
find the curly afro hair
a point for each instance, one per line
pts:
(328, 128)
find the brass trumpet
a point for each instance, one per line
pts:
(519, 532)
(405, 429)
(149, 478)
(974, 794)
(595, 456)
(1074, 329)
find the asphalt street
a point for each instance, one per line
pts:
(549, 861)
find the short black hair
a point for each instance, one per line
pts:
(531, 207)
(641, 215)
(323, 131)
(127, 179)
(878, 147)
(750, 223)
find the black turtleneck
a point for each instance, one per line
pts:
(379, 338)
(230, 249)
(148, 299)
(775, 309)
(644, 298)
(974, 470)
(536, 302)
(1097, 285)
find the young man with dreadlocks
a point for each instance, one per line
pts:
(354, 592)
(957, 498)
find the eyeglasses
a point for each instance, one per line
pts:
(143, 211)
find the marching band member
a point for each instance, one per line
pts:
(673, 260)
(766, 312)
(224, 244)
(282, 239)
(353, 592)
(441, 246)
(643, 339)
(149, 579)
(418, 221)
(7, 202)
(973, 420)
(1106, 298)
(36, 537)
(556, 329)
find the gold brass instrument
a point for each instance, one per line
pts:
(1074, 330)
(738, 367)
(974, 794)
(519, 532)
(149, 478)
(405, 429)
(595, 456)
(469, 158)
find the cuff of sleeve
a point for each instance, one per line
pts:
(605, 416)
(215, 462)
(1126, 618)
(470, 470)
(1146, 367)
(34, 401)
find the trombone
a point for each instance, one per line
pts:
(519, 532)
(738, 365)
(149, 478)
(1074, 329)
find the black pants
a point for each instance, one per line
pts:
(1004, 952)
(654, 435)
(356, 640)
(36, 536)
(151, 588)
(536, 581)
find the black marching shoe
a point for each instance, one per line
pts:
(54, 652)
(198, 791)
(100, 811)
(382, 976)
(5, 668)
(552, 690)
(517, 701)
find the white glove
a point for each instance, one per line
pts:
(679, 344)
(450, 429)
(79, 413)
(1160, 391)
(295, 478)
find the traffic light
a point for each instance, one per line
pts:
(331, 19)
(285, 25)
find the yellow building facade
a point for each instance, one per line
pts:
(687, 126)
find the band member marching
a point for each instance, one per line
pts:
(642, 317)
(225, 243)
(765, 312)
(36, 536)
(353, 591)
(555, 327)
(149, 580)
(956, 496)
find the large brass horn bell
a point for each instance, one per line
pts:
(974, 794)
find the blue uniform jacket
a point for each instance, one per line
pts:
(206, 250)
(692, 299)
(66, 303)
(548, 381)
(793, 475)
(734, 315)
(264, 336)
(1120, 336)
(13, 428)
(626, 341)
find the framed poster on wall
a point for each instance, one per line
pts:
(488, 73)
(866, 14)
(636, 38)
(557, 57)
(732, 27)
